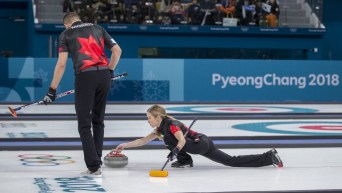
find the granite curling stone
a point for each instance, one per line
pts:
(115, 160)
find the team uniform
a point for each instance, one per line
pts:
(85, 42)
(198, 143)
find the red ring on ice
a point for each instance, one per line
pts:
(323, 127)
(241, 109)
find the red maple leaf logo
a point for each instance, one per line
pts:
(91, 48)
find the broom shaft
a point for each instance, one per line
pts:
(168, 159)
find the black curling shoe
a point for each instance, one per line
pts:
(176, 164)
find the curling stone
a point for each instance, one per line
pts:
(115, 160)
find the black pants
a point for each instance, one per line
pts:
(207, 148)
(91, 91)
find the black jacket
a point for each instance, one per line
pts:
(169, 139)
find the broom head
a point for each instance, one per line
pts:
(159, 173)
(14, 114)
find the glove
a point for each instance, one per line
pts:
(173, 154)
(197, 137)
(50, 96)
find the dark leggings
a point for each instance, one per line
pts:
(207, 148)
(91, 90)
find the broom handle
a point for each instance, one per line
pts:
(168, 159)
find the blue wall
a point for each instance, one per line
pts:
(178, 80)
(26, 79)
(16, 27)
(332, 17)
(35, 43)
(131, 38)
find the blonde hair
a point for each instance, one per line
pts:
(157, 110)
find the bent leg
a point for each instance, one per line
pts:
(184, 158)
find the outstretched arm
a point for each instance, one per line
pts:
(135, 143)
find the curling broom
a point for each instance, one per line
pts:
(162, 172)
(14, 111)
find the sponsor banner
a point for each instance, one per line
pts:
(190, 29)
(27, 79)
(262, 81)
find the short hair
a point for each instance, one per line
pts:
(70, 17)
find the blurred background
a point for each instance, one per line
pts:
(184, 50)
